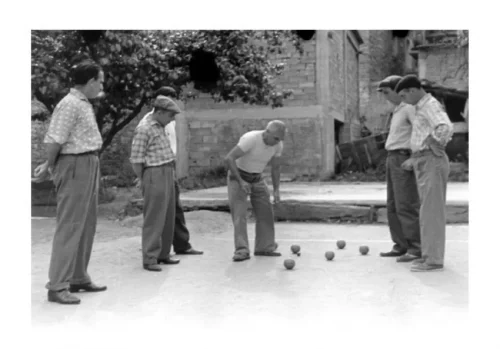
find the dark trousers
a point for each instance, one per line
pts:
(181, 232)
(159, 213)
(76, 179)
(403, 205)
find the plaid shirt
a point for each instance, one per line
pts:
(73, 125)
(150, 145)
(430, 120)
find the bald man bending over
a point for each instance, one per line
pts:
(246, 162)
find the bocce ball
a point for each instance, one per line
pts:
(329, 255)
(364, 250)
(295, 248)
(289, 263)
(341, 244)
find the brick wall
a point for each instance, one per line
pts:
(212, 134)
(337, 78)
(447, 66)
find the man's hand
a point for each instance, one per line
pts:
(276, 195)
(407, 165)
(245, 186)
(138, 184)
(42, 172)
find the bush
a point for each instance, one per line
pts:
(116, 169)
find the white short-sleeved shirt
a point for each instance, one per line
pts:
(257, 153)
(401, 127)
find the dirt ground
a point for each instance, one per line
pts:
(212, 293)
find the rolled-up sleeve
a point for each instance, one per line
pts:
(62, 122)
(442, 128)
(139, 146)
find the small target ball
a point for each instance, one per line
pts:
(364, 250)
(298, 254)
(329, 255)
(289, 263)
(295, 248)
(341, 244)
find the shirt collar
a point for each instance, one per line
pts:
(78, 94)
(398, 107)
(423, 100)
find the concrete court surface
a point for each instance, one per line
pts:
(212, 292)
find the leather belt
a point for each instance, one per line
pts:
(167, 164)
(421, 153)
(406, 152)
(93, 152)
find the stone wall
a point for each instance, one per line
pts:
(447, 66)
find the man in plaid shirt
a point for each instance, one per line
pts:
(431, 131)
(153, 162)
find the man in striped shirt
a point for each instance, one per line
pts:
(153, 162)
(431, 131)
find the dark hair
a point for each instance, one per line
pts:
(166, 91)
(408, 81)
(390, 82)
(85, 71)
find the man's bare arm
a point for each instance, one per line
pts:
(275, 176)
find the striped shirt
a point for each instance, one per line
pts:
(431, 120)
(150, 145)
(73, 125)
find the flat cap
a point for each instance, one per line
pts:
(390, 81)
(165, 103)
(408, 81)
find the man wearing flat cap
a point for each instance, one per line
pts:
(180, 243)
(246, 162)
(431, 131)
(402, 195)
(153, 162)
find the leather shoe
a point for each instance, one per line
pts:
(62, 297)
(168, 261)
(152, 267)
(89, 287)
(407, 258)
(267, 254)
(392, 254)
(190, 251)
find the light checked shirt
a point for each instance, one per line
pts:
(73, 125)
(431, 120)
(150, 145)
(400, 129)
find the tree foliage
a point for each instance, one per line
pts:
(138, 62)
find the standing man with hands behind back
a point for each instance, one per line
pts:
(153, 162)
(73, 143)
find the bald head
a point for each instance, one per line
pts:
(275, 132)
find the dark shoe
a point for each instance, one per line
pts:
(168, 261)
(62, 297)
(240, 257)
(190, 251)
(426, 267)
(267, 254)
(392, 254)
(90, 287)
(407, 258)
(152, 267)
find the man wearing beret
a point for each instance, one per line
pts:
(246, 162)
(153, 162)
(402, 194)
(431, 131)
(181, 242)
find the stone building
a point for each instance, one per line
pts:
(323, 110)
